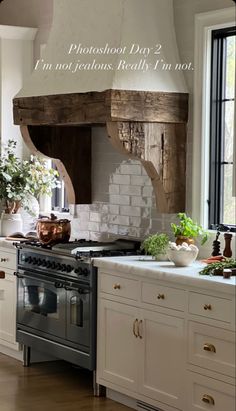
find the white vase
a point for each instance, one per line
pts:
(10, 224)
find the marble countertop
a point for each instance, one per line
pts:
(7, 243)
(166, 271)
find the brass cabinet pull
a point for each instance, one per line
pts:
(136, 334)
(2, 274)
(208, 399)
(4, 260)
(209, 347)
(140, 328)
(207, 307)
(161, 296)
(116, 286)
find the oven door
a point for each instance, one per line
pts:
(78, 315)
(41, 304)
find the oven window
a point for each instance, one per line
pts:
(41, 300)
(76, 311)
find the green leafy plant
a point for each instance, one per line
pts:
(21, 178)
(188, 228)
(220, 265)
(155, 244)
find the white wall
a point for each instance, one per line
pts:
(29, 13)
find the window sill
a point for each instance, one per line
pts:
(58, 214)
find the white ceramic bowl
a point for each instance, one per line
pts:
(182, 258)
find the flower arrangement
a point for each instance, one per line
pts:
(21, 178)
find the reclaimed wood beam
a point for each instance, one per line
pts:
(101, 107)
(161, 148)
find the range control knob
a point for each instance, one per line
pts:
(48, 264)
(39, 261)
(69, 268)
(63, 267)
(44, 263)
(85, 272)
(53, 265)
(78, 271)
(34, 261)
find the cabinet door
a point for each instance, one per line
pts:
(162, 370)
(117, 357)
(8, 310)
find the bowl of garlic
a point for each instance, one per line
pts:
(182, 255)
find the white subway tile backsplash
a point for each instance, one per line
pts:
(92, 226)
(140, 180)
(113, 209)
(141, 201)
(120, 179)
(123, 200)
(114, 189)
(96, 217)
(119, 219)
(130, 211)
(130, 169)
(120, 199)
(130, 190)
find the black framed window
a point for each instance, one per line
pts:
(222, 204)
(59, 200)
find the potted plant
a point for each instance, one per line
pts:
(20, 179)
(188, 230)
(155, 245)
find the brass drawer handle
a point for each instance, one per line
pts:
(116, 286)
(208, 399)
(207, 307)
(209, 347)
(136, 334)
(140, 328)
(2, 274)
(161, 296)
(4, 260)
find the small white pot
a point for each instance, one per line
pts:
(10, 224)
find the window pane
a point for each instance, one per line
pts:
(228, 130)
(229, 202)
(230, 67)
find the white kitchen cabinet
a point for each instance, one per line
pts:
(171, 345)
(161, 357)
(140, 350)
(8, 300)
(118, 349)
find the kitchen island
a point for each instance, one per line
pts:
(165, 336)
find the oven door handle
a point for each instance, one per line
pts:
(18, 275)
(79, 290)
(57, 284)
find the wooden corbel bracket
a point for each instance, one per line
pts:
(161, 148)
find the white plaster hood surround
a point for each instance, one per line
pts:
(120, 24)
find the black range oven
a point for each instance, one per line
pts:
(56, 298)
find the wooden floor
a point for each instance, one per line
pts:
(50, 386)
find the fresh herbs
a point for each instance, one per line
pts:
(210, 268)
(188, 228)
(155, 244)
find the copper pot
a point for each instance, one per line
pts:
(51, 230)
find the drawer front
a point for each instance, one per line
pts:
(208, 394)
(7, 260)
(163, 296)
(115, 285)
(212, 348)
(208, 306)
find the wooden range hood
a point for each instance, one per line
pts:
(148, 126)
